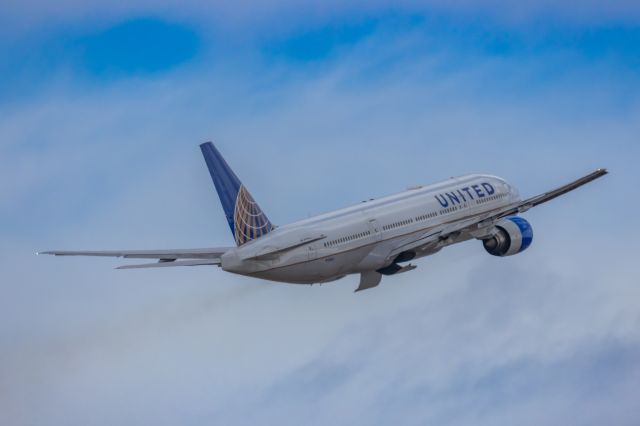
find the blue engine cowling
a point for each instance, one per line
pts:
(513, 236)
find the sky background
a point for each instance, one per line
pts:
(316, 105)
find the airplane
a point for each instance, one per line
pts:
(375, 238)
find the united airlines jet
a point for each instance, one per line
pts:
(373, 239)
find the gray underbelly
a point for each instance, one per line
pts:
(319, 270)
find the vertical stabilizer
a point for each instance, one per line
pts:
(246, 219)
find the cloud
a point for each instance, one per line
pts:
(472, 356)
(466, 339)
(479, 343)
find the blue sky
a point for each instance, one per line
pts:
(316, 106)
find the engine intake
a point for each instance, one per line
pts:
(513, 236)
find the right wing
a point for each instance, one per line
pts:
(525, 205)
(478, 224)
(189, 257)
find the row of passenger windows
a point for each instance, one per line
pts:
(418, 218)
(347, 239)
(397, 224)
(427, 216)
(491, 198)
(449, 210)
(408, 221)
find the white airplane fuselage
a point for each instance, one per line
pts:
(359, 238)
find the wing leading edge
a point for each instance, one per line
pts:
(550, 195)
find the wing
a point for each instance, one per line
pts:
(188, 257)
(525, 205)
(477, 225)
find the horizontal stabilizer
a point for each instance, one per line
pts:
(201, 253)
(162, 264)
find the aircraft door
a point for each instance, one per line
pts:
(374, 228)
(312, 251)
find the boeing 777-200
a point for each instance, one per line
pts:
(374, 238)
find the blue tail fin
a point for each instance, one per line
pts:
(246, 219)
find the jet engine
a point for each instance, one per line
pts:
(513, 235)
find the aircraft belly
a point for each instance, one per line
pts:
(317, 270)
(328, 267)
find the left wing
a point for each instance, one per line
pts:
(189, 257)
(478, 224)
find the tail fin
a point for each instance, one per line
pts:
(246, 219)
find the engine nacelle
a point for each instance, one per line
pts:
(513, 236)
